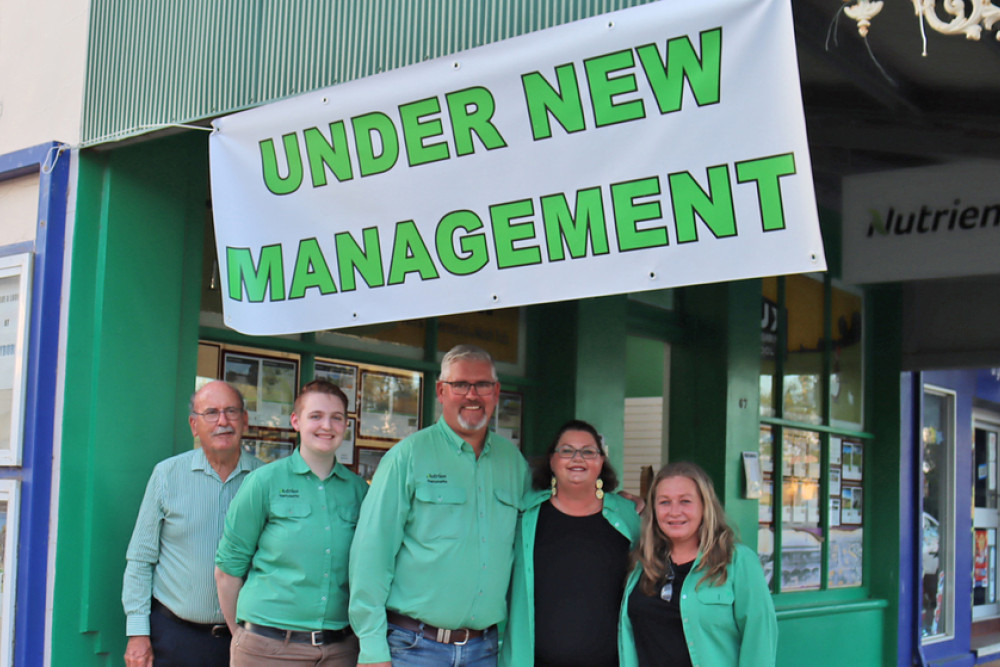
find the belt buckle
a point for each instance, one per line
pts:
(466, 640)
(312, 637)
(219, 630)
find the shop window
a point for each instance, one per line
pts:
(385, 403)
(811, 513)
(937, 500)
(986, 514)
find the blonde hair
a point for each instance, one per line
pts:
(716, 540)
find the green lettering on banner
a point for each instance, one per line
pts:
(365, 261)
(471, 112)
(629, 212)
(269, 272)
(765, 172)
(506, 233)
(372, 159)
(409, 255)
(563, 104)
(715, 207)
(474, 255)
(332, 155)
(604, 88)
(416, 130)
(702, 74)
(269, 162)
(311, 270)
(562, 226)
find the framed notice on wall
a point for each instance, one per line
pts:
(344, 376)
(9, 515)
(267, 383)
(15, 299)
(390, 405)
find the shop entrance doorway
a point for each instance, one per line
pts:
(986, 519)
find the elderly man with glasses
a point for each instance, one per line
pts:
(169, 595)
(432, 555)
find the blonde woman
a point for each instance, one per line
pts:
(695, 596)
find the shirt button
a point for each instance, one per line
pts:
(328, 551)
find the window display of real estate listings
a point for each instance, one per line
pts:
(802, 532)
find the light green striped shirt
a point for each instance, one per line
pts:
(435, 538)
(171, 556)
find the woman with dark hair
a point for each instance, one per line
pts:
(695, 596)
(570, 558)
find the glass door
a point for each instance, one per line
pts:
(986, 519)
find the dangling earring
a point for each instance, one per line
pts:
(554, 492)
(600, 488)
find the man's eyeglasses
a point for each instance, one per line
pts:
(212, 415)
(587, 453)
(667, 592)
(461, 387)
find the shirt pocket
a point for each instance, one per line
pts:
(349, 514)
(291, 515)
(440, 512)
(505, 513)
(715, 606)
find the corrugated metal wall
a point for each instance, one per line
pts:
(156, 63)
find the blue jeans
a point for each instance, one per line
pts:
(409, 649)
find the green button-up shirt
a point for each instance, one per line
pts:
(289, 533)
(176, 533)
(435, 539)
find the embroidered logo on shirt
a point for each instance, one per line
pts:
(288, 493)
(437, 478)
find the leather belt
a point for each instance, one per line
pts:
(214, 629)
(458, 637)
(314, 637)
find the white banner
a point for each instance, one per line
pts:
(658, 146)
(927, 222)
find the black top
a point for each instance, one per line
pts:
(580, 568)
(656, 625)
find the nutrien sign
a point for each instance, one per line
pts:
(658, 146)
(928, 222)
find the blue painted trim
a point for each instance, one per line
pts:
(908, 650)
(40, 396)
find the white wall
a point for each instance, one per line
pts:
(18, 209)
(43, 48)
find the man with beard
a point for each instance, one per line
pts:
(432, 554)
(169, 595)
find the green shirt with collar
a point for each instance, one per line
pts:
(519, 639)
(725, 625)
(176, 533)
(289, 533)
(435, 540)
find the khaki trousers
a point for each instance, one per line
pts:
(251, 650)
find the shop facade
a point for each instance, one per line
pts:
(808, 371)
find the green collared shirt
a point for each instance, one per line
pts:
(289, 533)
(173, 544)
(725, 625)
(435, 539)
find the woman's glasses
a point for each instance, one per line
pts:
(667, 592)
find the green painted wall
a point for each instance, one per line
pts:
(883, 342)
(130, 358)
(714, 394)
(644, 366)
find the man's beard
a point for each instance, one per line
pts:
(473, 426)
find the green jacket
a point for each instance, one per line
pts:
(732, 625)
(518, 648)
